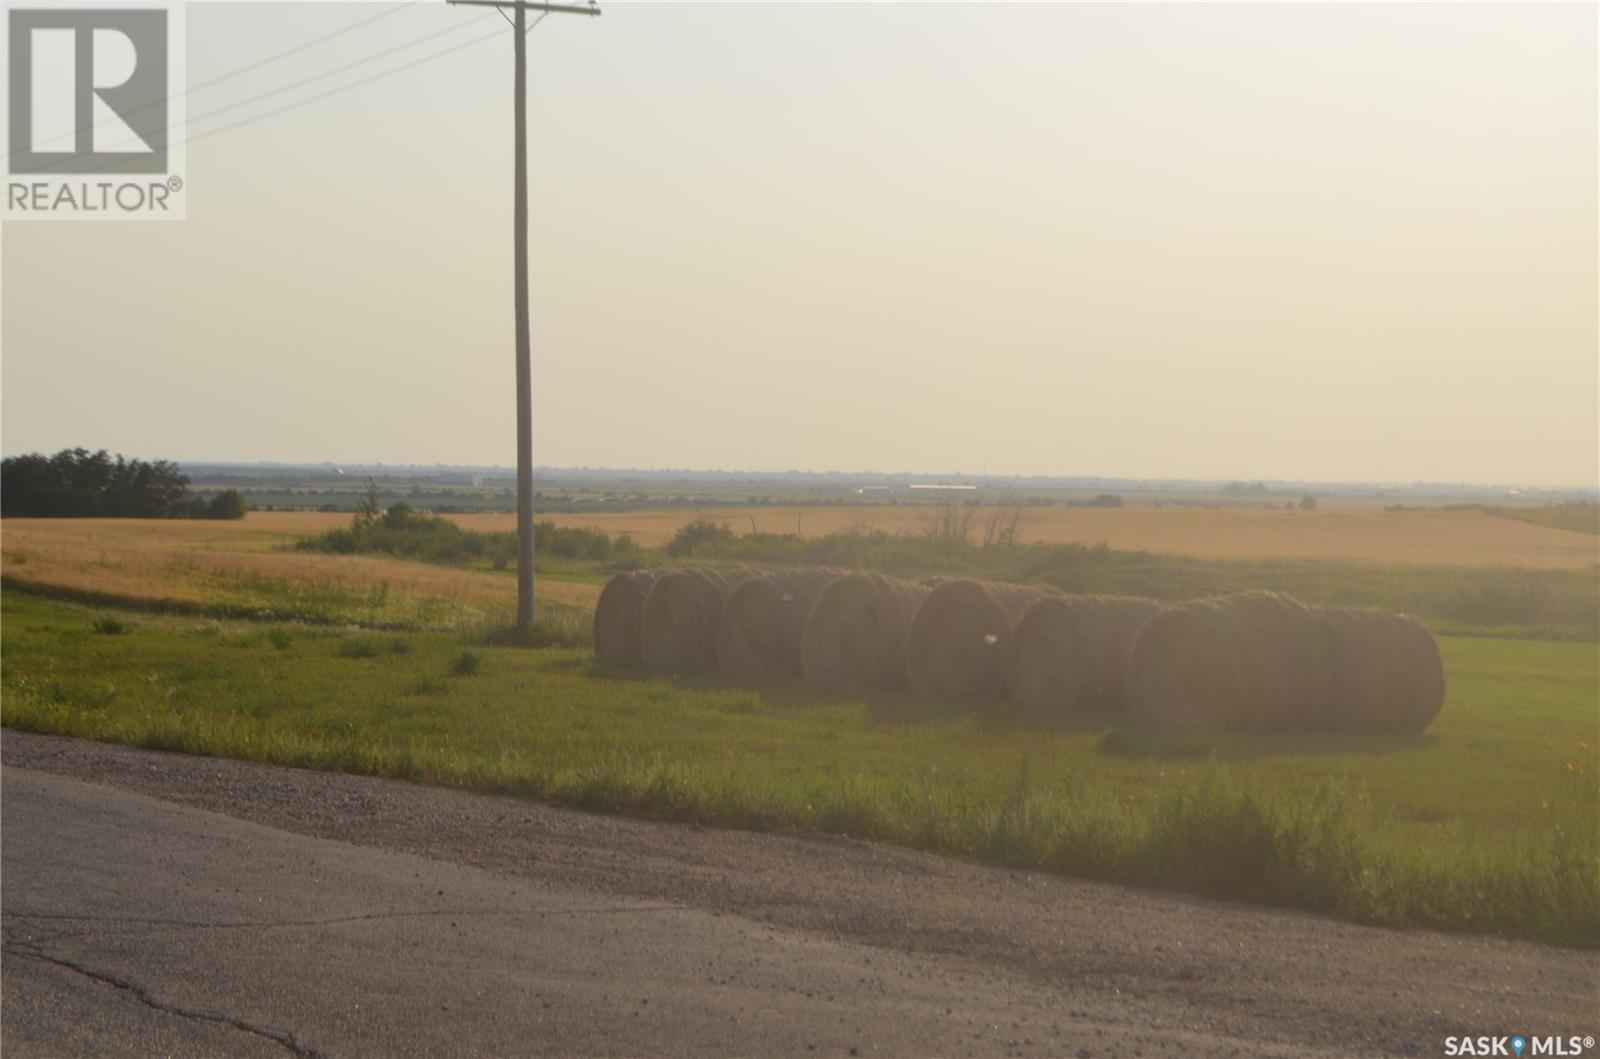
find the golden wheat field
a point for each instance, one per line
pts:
(201, 561)
(1428, 537)
(204, 562)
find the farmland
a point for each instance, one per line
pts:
(1432, 537)
(251, 566)
(1420, 536)
(143, 557)
(222, 638)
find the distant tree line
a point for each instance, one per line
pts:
(77, 483)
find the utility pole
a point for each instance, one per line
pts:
(519, 225)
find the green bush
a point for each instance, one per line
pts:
(399, 516)
(404, 533)
(571, 542)
(699, 537)
(228, 504)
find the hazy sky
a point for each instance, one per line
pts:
(1350, 242)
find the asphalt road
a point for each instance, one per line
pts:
(160, 904)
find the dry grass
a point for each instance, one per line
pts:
(212, 562)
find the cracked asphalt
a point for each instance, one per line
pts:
(162, 904)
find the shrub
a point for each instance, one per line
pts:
(465, 665)
(228, 504)
(110, 626)
(571, 542)
(407, 534)
(698, 537)
(399, 516)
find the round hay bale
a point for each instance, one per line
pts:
(618, 615)
(855, 635)
(1255, 661)
(763, 620)
(1365, 656)
(1422, 683)
(1387, 674)
(958, 637)
(1070, 653)
(679, 628)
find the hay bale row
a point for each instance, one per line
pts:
(1263, 661)
(836, 630)
(1257, 661)
(1246, 662)
(857, 632)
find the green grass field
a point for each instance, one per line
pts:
(1579, 518)
(1485, 824)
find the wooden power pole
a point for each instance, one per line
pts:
(519, 225)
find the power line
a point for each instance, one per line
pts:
(298, 48)
(280, 90)
(230, 74)
(345, 88)
(324, 95)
